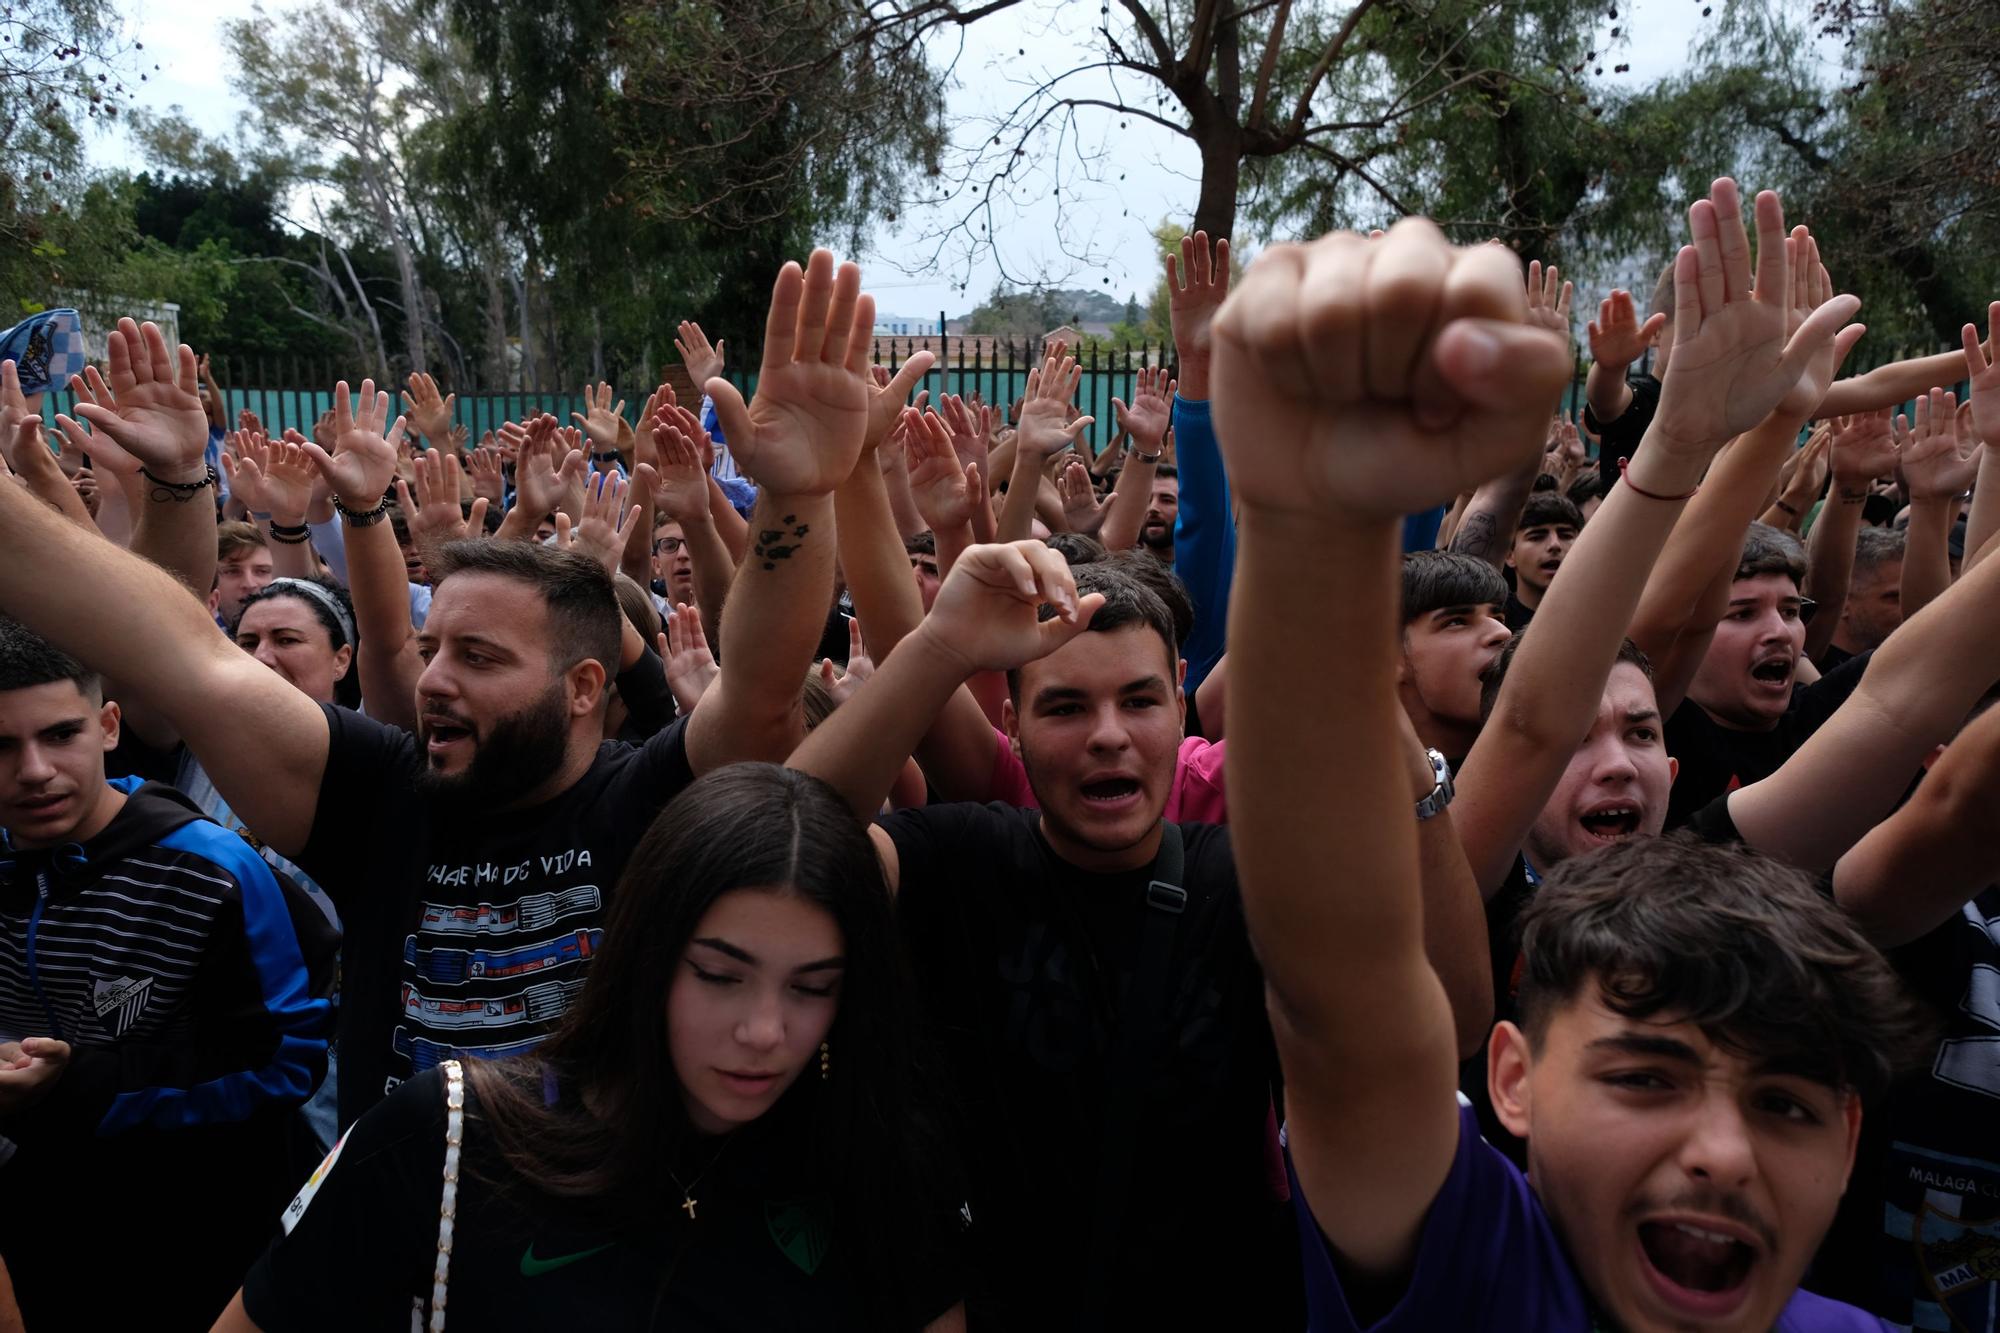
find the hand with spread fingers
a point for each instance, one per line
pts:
(1548, 303)
(429, 413)
(805, 429)
(1863, 450)
(1151, 412)
(148, 412)
(604, 424)
(1982, 375)
(681, 493)
(1081, 506)
(1935, 461)
(690, 666)
(1046, 422)
(489, 482)
(943, 487)
(362, 463)
(606, 521)
(703, 362)
(1196, 289)
(547, 475)
(431, 507)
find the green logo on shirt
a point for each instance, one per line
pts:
(533, 1267)
(800, 1231)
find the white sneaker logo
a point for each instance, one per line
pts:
(119, 1003)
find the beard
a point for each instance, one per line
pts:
(1158, 535)
(515, 757)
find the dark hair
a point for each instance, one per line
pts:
(1433, 580)
(1167, 470)
(399, 525)
(237, 538)
(636, 605)
(28, 660)
(1079, 548)
(1546, 509)
(921, 543)
(1874, 547)
(1743, 946)
(1495, 674)
(745, 826)
(1127, 602)
(1769, 550)
(1589, 485)
(1663, 294)
(1544, 482)
(579, 594)
(1166, 585)
(346, 690)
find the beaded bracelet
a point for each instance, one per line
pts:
(290, 534)
(363, 518)
(178, 491)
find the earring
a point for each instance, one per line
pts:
(825, 1062)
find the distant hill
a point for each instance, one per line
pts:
(1031, 312)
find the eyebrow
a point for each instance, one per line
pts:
(1462, 609)
(1065, 693)
(1640, 1043)
(1642, 715)
(1752, 601)
(743, 955)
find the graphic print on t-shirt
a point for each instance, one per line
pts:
(490, 977)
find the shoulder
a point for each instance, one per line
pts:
(355, 740)
(990, 825)
(659, 763)
(1807, 1313)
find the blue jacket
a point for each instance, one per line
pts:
(1204, 536)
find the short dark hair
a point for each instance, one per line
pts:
(1874, 547)
(636, 605)
(1167, 470)
(237, 538)
(1495, 675)
(1436, 579)
(580, 597)
(1588, 486)
(1546, 509)
(1769, 550)
(1127, 602)
(922, 543)
(1079, 548)
(1743, 946)
(28, 660)
(1166, 585)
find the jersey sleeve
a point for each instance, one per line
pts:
(1486, 1258)
(1204, 536)
(370, 772)
(359, 1241)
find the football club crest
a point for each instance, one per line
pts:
(799, 1229)
(1958, 1261)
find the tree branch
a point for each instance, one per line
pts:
(1326, 59)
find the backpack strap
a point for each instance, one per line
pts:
(1141, 1020)
(454, 1136)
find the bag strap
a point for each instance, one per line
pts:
(454, 1137)
(1140, 1021)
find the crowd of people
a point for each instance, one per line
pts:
(1358, 850)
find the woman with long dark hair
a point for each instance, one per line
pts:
(719, 1136)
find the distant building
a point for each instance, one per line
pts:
(905, 326)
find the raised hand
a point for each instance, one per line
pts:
(602, 422)
(149, 415)
(986, 616)
(548, 476)
(1934, 461)
(1983, 374)
(489, 482)
(703, 362)
(681, 493)
(1196, 290)
(248, 420)
(1741, 350)
(805, 430)
(1616, 336)
(363, 460)
(430, 413)
(431, 505)
(943, 486)
(971, 425)
(1548, 305)
(1863, 450)
(1046, 426)
(889, 395)
(1380, 378)
(1803, 478)
(690, 666)
(244, 454)
(606, 522)
(1152, 409)
(1081, 506)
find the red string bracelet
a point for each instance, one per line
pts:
(1624, 463)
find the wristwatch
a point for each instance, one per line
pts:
(1441, 794)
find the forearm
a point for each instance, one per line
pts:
(1890, 385)
(713, 570)
(1830, 562)
(1454, 925)
(732, 527)
(777, 609)
(1204, 535)
(875, 562)
(1605, 389)
(1024, 485)
(517, 524)
(118, 502)
(1486, 529)
(1927, 553)
(1708, 541)
(952, 540)
(380, 583)
(1125, 511)
(1984, 519)
(636, 561)
(293, 560)
(45, 480)
(902, 504)
(178, 535)
(861, 748)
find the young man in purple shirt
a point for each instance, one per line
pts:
(1699, 1028)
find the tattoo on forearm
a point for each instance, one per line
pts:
(1476, 536)
(775, 544)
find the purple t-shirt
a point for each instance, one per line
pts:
(1488, 1259)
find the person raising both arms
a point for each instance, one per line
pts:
(1699, 1026)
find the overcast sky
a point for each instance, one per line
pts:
(1002, 56)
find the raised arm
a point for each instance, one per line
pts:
(798, 440)
(266, 752)
(25, 451)
(1936, 469)
(1923, 863)
(872, 555)
(682, 495)
(1725, 327)
(1146, 421)
(1617, 339)
(1983, 381)
(1891, 385)
(1860, 452)
(1045, 429)
(1338, 413)
(1205, 532)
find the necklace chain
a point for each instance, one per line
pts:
(688, 1201)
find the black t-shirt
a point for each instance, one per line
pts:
(1715, 759)
(1620, 437)
(1832, 656)
(466, 933)
(762, 1253)
(1023, 961)
(1518, 613)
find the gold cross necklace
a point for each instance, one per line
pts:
(688, 1201)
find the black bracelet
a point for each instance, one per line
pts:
(178, 491)
(290, 534)
(366, 518)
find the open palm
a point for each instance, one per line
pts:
(149, 413)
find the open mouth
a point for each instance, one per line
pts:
(1611, 822)
(1110, 791)
(1773, 671)
(1703, 1272)
(441, 734)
